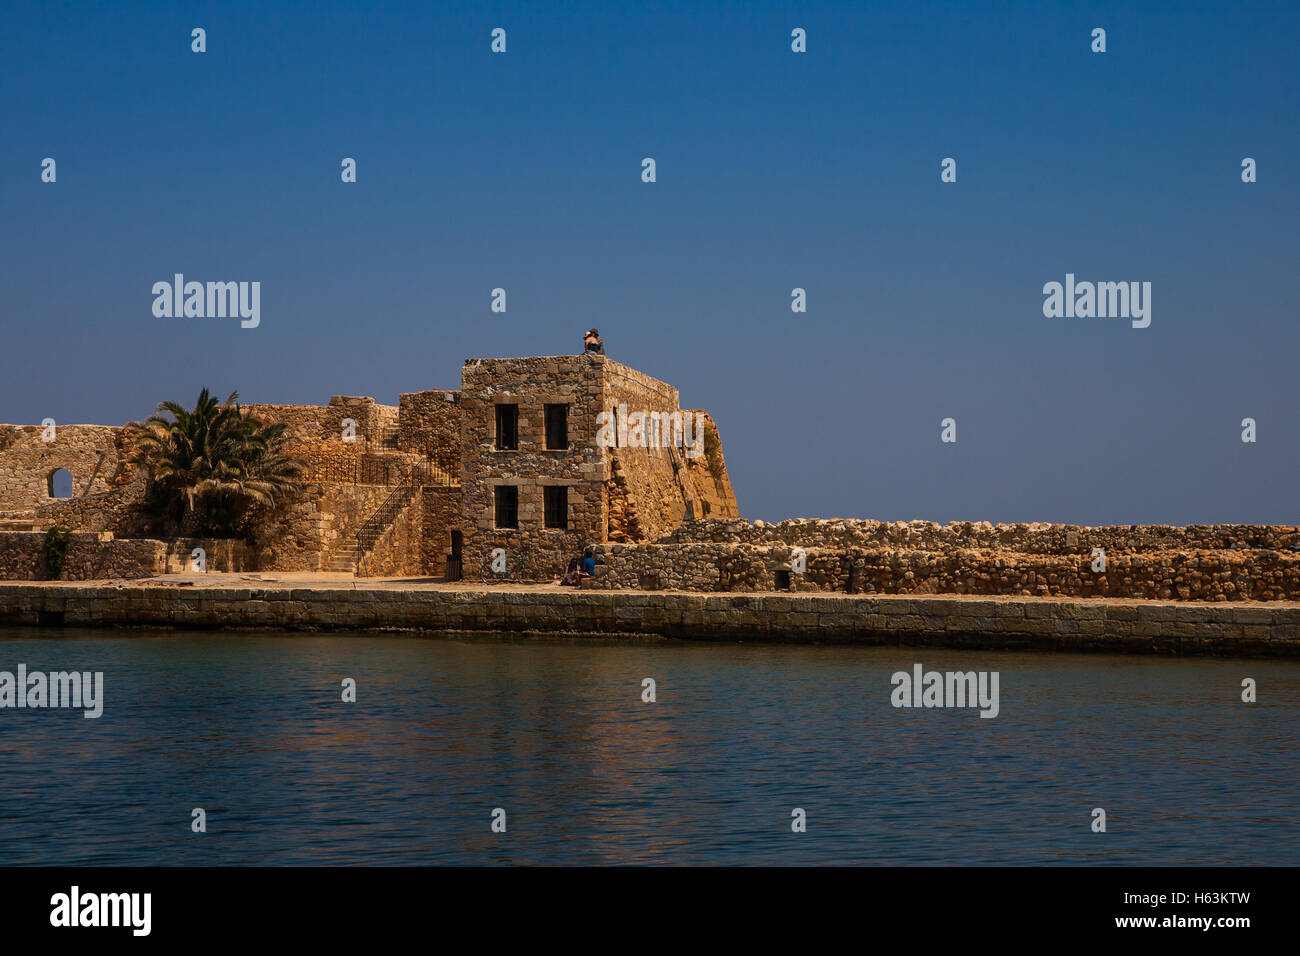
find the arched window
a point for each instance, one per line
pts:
(60, 483)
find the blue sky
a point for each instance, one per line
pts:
(775, 170)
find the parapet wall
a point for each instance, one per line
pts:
(1038, 538)
(94, 455)
(94, 556)
(307, 424)
(1197, 563)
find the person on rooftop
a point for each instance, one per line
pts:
(591, 343)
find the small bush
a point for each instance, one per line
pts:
(56, 550)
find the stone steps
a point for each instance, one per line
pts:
(21, 524)
(343, 561)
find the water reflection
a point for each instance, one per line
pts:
(252, 728)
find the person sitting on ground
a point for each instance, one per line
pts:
(591, 343)
(571, 573)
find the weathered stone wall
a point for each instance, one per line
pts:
(101, 556)
(90, 556)
(113, 510)
(315, 434)
(325, 518)
(653, 488)
(220, 555)
(94, 455)
(1011, 623)
(1191, 575)
(398, 550)
(1024, 538)
(441, 515)
(324, 423)
(706, 479)
(429, 423)
(647, 496)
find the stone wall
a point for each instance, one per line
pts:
(647, 496)
(398, 550)
(113, 510)
(321, 423)
(220, 555)
(94, 455)
(100, 556)
(89, 556)
(1151, 568)
(1012, 623)
(441, 515)
(325, 518)
(706, 477)
(429, 423)
(654, 489)
(1038, 538)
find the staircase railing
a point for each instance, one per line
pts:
(384, 516)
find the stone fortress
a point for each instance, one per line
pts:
(429, 487)
(512, 460)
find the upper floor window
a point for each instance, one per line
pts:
(507, 427)
(557, 426)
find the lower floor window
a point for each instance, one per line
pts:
(557, 506)
(507, 506)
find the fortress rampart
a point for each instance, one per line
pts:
(1194, 563)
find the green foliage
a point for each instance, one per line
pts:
(211, 467)
(56, 550)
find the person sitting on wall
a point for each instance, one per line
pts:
(589, 564)
(591, 343)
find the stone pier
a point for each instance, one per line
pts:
(226, 601)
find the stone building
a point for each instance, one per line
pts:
(539, 457)
(540, 482)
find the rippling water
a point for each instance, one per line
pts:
(252, 729)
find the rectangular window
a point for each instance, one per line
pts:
(507, 427)
(507, 506)
(557, 506)
(557, 426)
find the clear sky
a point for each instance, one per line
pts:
(775, 170)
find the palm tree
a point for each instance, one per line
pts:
(208, 467)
